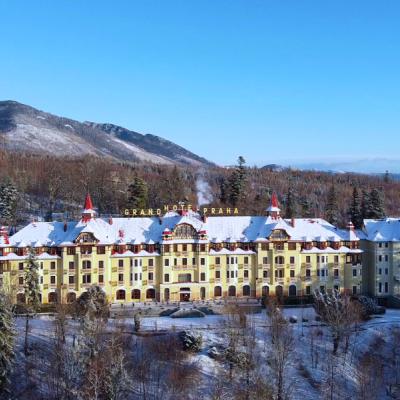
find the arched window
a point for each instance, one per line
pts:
(292, 290)
(265, 291)
(246, 290)
(279, 291)
(135, 294)
(150, 294)
(71, 297)
(202, 293)
(120, 295)
(217, 291)
(185, 231)
(232, 291)
(52, 297)
(21, 298)
(279, 260)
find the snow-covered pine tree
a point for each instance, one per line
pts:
(8, 201)
(237, 182)
(32, 291)
(332, 209)
(138, 194)
(7, 336)
(377, 208)
(355, 213)
(290, 204)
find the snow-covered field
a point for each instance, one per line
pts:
(311, 364)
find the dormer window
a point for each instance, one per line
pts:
(85, 237)
(185, 231)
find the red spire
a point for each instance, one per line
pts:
(274, 200)
(88, 202)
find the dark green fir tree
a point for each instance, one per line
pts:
(332, 209)
(138, 194)
(377, 209)
(355, 212)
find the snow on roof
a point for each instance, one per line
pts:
(150, 230)
(381, 230)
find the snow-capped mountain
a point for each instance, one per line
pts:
(24, 128)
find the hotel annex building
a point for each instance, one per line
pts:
(183, 256)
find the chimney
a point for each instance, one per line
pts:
(65, 227)
(293, 222)
(110, 220)
(350, 226)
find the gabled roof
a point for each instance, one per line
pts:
(150, 230)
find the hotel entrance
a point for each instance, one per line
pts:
(184, 294)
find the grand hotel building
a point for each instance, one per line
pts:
(183, 256)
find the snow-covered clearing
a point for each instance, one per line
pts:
(311, 363)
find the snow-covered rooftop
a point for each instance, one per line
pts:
(381, 230)
(150, 230)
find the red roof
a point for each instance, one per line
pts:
(274, 200)
(88, 202)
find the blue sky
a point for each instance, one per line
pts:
(275, 81)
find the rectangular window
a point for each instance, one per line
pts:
(71, 251)
(53, 265)
(101, 264)
(151, 276)
(71, 265)
(193, 261)
(166, 277)
(308, 272)
(335, 272)
(136, 277)
(379, 258)
(218, 260)
(264, 246)
(71, 279)
(246, 260)
(354, 272)
(202, 247)
(101, 278)
(52, 279)
(265, 260)
(246, 273)
(175, 248)
(380, 245)
(21, 280)
(166, 248)
(386, 271)
(120, 263)
(292, 273)
(387, 244)
(386, 287)
(218, 274)
(203, 276)
(184, 261)
(86, 278)
(308, 290)
(184, 247)
(291, 246)
(166, 262)
(101, 250)
(265, 273)
(151, 262)
(380, 287)
(336, 259)
(386, 258)
(202, 261)
(308, 259)
(291, 260)
(21, 266)
(120, 277)
(354, 289)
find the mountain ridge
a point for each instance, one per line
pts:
(24, 128)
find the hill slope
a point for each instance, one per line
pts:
(26, 129)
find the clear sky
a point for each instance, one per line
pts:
(275, 81)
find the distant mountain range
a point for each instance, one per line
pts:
(26, 129)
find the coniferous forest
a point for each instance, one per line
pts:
(42, 186)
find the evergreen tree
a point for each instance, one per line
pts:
(377, 209)
(8, 201)
(305, 208)
(355, 212)
(237, 182)
(32, 292)
(7, 337)
(222, 190)
(332, 209)
(138, 194)
(365, 205)
(290, 206)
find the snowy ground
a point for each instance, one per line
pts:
(308, 382)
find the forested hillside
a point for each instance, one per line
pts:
(47, 185)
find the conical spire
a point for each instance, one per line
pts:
(274, 210)
(88, 211)
(88, 202)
